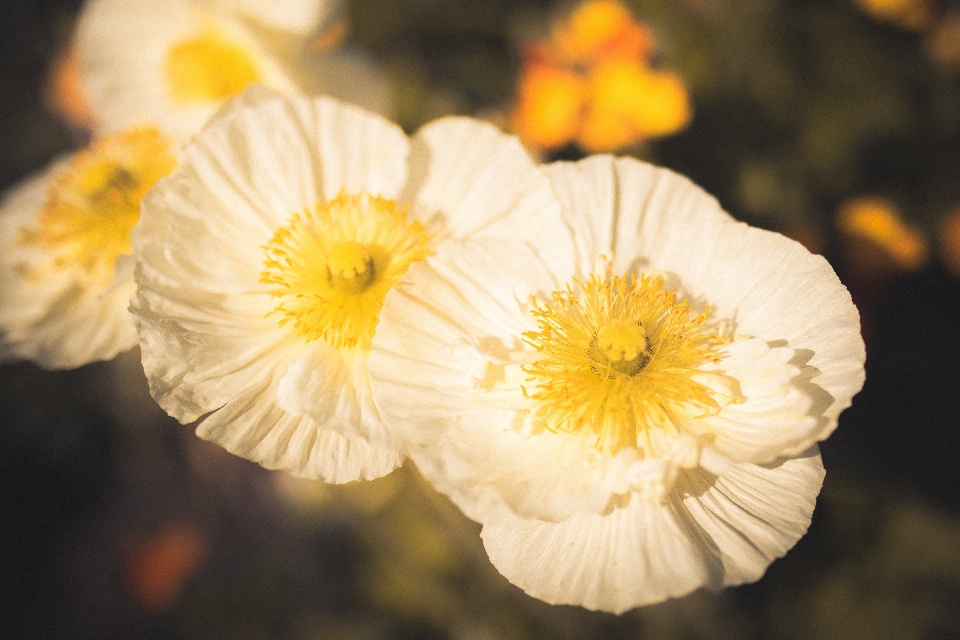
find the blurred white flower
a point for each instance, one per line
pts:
(173, 63)
(65, 269)
(263, 260)
(640, 426)
(294, 17)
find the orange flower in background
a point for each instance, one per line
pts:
(877, 221)
(550, 103)
(591, 83)
(157, 568)
(601, 29)
(64, 94)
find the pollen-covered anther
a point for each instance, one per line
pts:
(350, 267)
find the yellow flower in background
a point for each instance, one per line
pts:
(592, 83)
(642, 425)
(263, 261)
(66, 274)
(878, 222)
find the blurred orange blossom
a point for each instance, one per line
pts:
(591, 83)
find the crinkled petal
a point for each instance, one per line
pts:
(198, 353)
(252, 426)
(468, 178)
(200, 310)
(637, 554)
(332, 387)
(771, 417)
(622, 208)
(712, 532)
(22, 304)
(772, 288)
(421, 361)
(752, 514)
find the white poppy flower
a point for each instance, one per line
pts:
(263, 260)
(65, 269)
(638, 427)
(173, 63)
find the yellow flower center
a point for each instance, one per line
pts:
(210, 67)
(620, 347)
(332, 266)
(618, 357)
(350, 267)
(94, 203)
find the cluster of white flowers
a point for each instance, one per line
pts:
(621, 383)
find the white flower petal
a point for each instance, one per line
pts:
(752, 514)
(622, 208)
(715, 532)
(773, 418)
(252, 426)
(333, 388)
(198, 355)
(200, 310)
(774, 289)
(637, 554)
(282, 155)
(468, 178)
(441, 304)
(22, 304)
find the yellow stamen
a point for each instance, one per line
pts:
(332, 266)
(210, 67)
(619, 357)
(94, 203)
